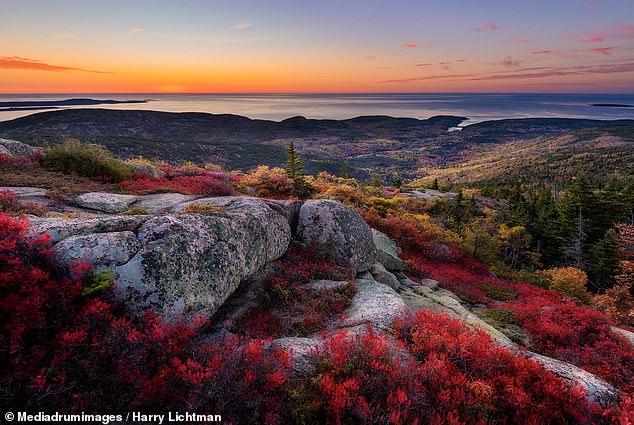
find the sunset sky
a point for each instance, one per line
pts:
(323, 46)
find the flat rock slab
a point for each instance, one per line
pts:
(27, 192)
(598, 391)
(111, 203)
(62, 228)
(421, 297)
(161, 202)
(374, 304)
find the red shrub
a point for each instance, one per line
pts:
(557, 327)
(10, 160)
(62, 352)
(202, 183)
(454, 375)
(287, 307)
(8, 201)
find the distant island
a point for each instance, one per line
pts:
(612, 105)
(53, 104)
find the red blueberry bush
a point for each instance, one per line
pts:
(188, 180)
(557, 327)
(61, 351)
(287, 307)
(449, 374)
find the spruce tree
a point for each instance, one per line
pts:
(295, 173)
(294, 166)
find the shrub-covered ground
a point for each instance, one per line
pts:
(66, 345)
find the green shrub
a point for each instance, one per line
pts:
(86, 160)
(498, 317)
(97, 283)
(497, 292)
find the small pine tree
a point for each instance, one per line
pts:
(434, 185)
(294, 166)
(345, 170)
(295, 172)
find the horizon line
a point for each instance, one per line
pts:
(315, 93)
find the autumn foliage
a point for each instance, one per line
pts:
(188, 180)
(557, 327)
(61, 351)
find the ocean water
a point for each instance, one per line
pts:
(477, 107)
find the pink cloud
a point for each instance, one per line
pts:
(16, 62)
(529, 73)
(616, 32)
(410, 45)
(588, 37)
(605, 51)
(371, 58)
(545, 52)
(487, 26)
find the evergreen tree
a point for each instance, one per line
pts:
(604, 260)
(295, 173)
(294, 166)
(345, 170)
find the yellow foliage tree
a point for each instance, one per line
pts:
(571, 282)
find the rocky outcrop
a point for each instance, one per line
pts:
(161, 202)
(388, 253)
(18, 149)
(339, 230)
(380, 274)
(105, 202)
(597, 389)
(100, 250)
(374, 304)
(625, 334)
(424, 297)
(60, 229)
(430, 297)
(195, 262)
(146, 169)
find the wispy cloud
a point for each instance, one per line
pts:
(615, 32)
(588, 37)
(410, 45)
(563, 71)
(605, 51)
(527, 73)
(575, 53)
(135, 30)
(16, 62)
(241, 25)
(442, 65)
(487, 26)
(371, 58)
